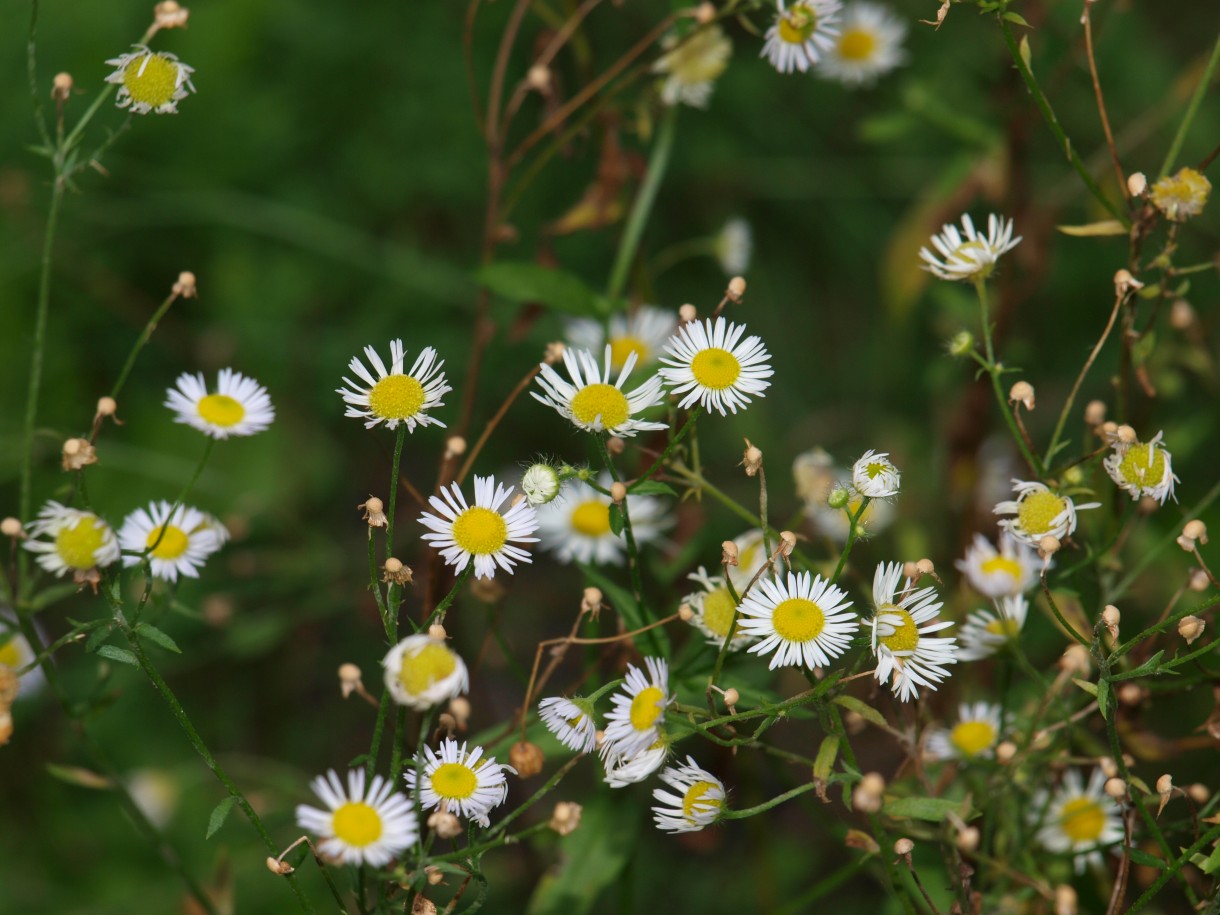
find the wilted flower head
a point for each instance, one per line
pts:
(1182, 195)
(150, 81)
(691, 64)
(969, 254)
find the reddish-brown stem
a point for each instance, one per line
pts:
(495, 421)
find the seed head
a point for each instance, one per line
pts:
(903, 847)
(374, 512)
(169, 15)
(728, 553)
(565, 818)
(445, 824)
(1125, 283)
(591, 600)
(1005, 751)
(526, 758)
(1095, 412)
(61, 87)
(1109, 618)
(1190, 628)
(968, 839)
(737, 288)
(1199, 793)
(752, 459)
(185, 287)
(437, 631)
(554, 352)
(11, 527)
(396, 573)
(1022, 392)
(349, 679)
(685, 613)
(278, 867)
(455, 446)
(78, 454)
(1116, 788)
(618, 492)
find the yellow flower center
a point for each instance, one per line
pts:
(1038, 511)
(454, 781)
(857, 45)
(357, 824)
(396, 397)
(905, 634)
(622, 347)
(10, 655)
(646, 708)
(1003, 565)
(591, 518)
(1004, 626)
(715, 368)
(718, 611)
(78, 545)
(221, 410)
(798, 620)
(173, 542)
(695, 797)
(151, 79)
(972, 737)
(1082, 820)
(874, 470)
(1138, 470)
(480, 531)
(798, 24)
(604, 400)
(428, 666)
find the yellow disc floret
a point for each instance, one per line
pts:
(715, 368)
(646, 708)
(10, 655)
(857, 45)
(428, 666)
(905, 634)
(696, 797)
(1002, 565)
(972, 737)
(798, 24)
(357, 824)
(221, 410)
(77, 545)
(1139, 468)
(1082, 820)
(718, 610)
(591, 518)
(1004, 626)
(173, 542)
(396, 397)
(1039, 511)
(454, 781)
(798, 619)
(622, 347)
(601, 400)
(480, 531)
(151, 79)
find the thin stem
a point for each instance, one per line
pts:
(394, 469)
(1192, 109)
(537, 795)
(1174, 869)
(1087, 21)
(141, 341)
(1059, 615)
(1147, 557)
(186, 491)
(853, 534)
(673, 442)
(495, 421)
(383, 710)
(32, 73)
(767, 805)
(438, 615)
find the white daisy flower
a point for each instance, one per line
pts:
(733, 246)
(984, 633)
(1039, 512)
(907, 656)
(77, 541)
(240, 405)
(480, 532)
(875, 476)
(422, 672)
(16, 653)
(801, 621)
(698, 804)
(360, 827)
(540, 483)
(184, 540)
(395, 396)
(751, 557)
(150, 82)
(643, 332)
(969, 254)
(1078, 819)
(714, 609)
(1012, 569)
(801, 34)
(622, 771)
(1142, 469)
(459, 782)
(692, 64)
(590, 402)
(973, 737)
(634, 724)
(816, 476)
(571, 723)
(708, 363)
(869, 44)
(578, 527)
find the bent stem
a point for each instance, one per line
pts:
(140, 343)
(673, 443)
(1192, 109)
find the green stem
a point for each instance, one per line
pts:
(31, 59)
(1168, 623)
(1059, 615)
(1191, 110)
(186, 491)
(1173, 870)
(537, 795)
(389, 528)
(1053, 123)
(673, 442)
(383, 710)
(472, 851)
(853, 534)
(140, 343)
(767, 805)
(643, 204)
(438, 615)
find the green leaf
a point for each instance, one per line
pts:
(1026, 56)
(1148, 667)
(1145, 859)
(220, 813)
(122, 655)
(1103, 697)
(932, 809)
(153, 634)
(519, 281)
(82, 778)
(1090, 688)
(1210, 864)
(1104, 227)
(651, 488)
(825, 760)
(616, 520)
(1018, 19)
(863, 709)
(97, 637)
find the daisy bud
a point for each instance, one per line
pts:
(1199, 793)
(838, 498)
(705, 13)
(599, 738)
(278, 867)
(526, 758)
(1126, 435)
(968, 839)
(1198, 580)
(685, 613)
(737, 288)
(61, 87)
(854, 722)
(1065, 900)
(374, 512)
(553, 353)
(1164, 789)
(1181, 315)
(787, 543)
(1125, 283)
(731, 698)
(1195, 530)
(1022, 392)
(910, 570)
(1108, 431)
(349, 679)
(687, 313)
(1116, 788)
(1076, 661)
(618, 492)
(904, 847)
(962, 344)
(1095, 412)
(185, 286)
(926, 567)
(78, 454)
(459, 708)
(169, 15)
(435, 875)
(106, 406)
(1190, 628)
(538, 78)
(445, 824)
(591, 600)
(1131, 694)
(1005, 751)
(1108, 766)
(752, 459)
(565, 818)
(437, 631)
(11, 527)
(540, 483)
(728, 553)
(1109, 618)
(1137, 183)
(1048, 546)
(396, 573)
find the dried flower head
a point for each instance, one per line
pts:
(565, 818)
(150, 81)
(78, 454)
(1182, 195)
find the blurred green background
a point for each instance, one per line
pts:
(327, 183)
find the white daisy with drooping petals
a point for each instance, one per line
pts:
(969, 254)
(422, 672)
(634, 724)
(1142, 469)
(984, 633)
(875, 476)
(459, 782)
(802, 620)
(1038, 512)
(590, 402)
(869, 44)
(802, 33)
(396, 396)
(698, 804)
(577, 527)
(714, 610)
(360, 827)
(1010, 570)
(908, 657)
(973, 737)
(77, 541)
(149, 81)
(180, 543)
(622, 771)
(570, 721)
(480, 533)
(239, 406)
(691, 65)
(707, 362)
(1078, 819)
(643, 332)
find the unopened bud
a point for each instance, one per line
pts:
(1190, 628)
(1005, 751)
(459, 708)
(1199, 793)
(1095, 412)
(615, 445)
(526, 758)
(1048, 546)
(553, 352)
(962, 344)
(374, 512)
(1108, 431)
(591, 600)
(278, 867)
(618, 492)
(422, 905)
(1195, 530)
(968, 839)
(1076, 661)
(926, 567)
(1108, 766)
(903, 847)
(78, 454)
(728, 553)
(731, 697)
(787, 543)
(1109, 618)
(737, 288)
(11, 527)
(106, 406)
(838, 498)
(1065, 900)
(1125, 283)
(396, 573)
(687, 313)
(445, 824)
(169, 15)
(1164, 788)
(435, 875)
(538, 78)
(61, 87)
(1182, 315)
(1197, 580)
(455, 446)
(910, 570)
(1116, 788)
(349, 679)
(1022, 392)
(1131, 694)
(1137, 183)
(437, 631)
(685, 613)
(752, 459)
(1126, 435)
(186, 287)
(565, 818)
